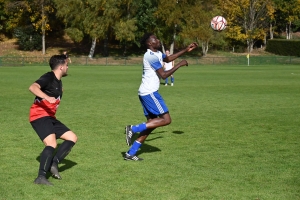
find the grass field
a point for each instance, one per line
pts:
(235, 134)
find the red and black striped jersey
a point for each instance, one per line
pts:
(51, 86)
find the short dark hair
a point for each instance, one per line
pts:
(145, 38)
(57, 60)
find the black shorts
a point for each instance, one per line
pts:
(48, 125)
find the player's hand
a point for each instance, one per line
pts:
(183, 63)
(191, 46)
(50, 99)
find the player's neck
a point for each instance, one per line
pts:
(57, 74)
(152, 49)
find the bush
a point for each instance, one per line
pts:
(28, 38)
(284, 47)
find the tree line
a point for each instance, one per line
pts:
(125, 21)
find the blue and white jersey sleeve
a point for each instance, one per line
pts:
(151, 63)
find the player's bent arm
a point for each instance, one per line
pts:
(165, 74)
(176, 55)
(36, 90)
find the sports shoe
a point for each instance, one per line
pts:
(172, 84)
(166, 84)
(42, 181)
(134, 158)
(54, 171)
(129, 134)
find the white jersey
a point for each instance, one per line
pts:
(168, 65)
(151, 63)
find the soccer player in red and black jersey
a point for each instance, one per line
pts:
(48, 91)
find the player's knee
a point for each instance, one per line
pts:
(168, 121)
(70, 135)
(50, 140)
(73, 138)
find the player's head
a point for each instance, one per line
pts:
(167, 52)
(150, 41)
(59, 62)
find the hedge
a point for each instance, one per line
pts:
(284, 47)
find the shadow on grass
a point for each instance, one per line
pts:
(145, 148)
(63, 165)
(178, 132)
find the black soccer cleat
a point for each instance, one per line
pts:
(42, 181)
(129, 134)
(54, 171)
(134, 158)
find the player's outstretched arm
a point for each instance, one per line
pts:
(165, 74)
(189, 48)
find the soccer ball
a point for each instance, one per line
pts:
(218, 23)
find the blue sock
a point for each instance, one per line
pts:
(166, 81)
(172, 79)
(134, 148)
(138, 128)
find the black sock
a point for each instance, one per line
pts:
(63, 150)
(45, 160)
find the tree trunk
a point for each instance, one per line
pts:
(271, 31)
(172, 48)
(43, 29)
(204, 48)
(43, 43)
(288, 31)
(92, 51)
(163, 47)
(173, 42)
(250, 44)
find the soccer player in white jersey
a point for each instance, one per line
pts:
(155, 109)
(167, 67)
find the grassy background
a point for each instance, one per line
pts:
(234, 135)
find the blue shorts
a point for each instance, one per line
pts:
(153, 105)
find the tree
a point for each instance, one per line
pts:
(40, 17)
(196, 24)
(3, 18)
(251, 16)
(170, 18)
(287, 12)
(30, 13)
(125, 25)
(146, 21)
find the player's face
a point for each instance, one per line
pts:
(154, 42)
(64, 69)
(167, 52)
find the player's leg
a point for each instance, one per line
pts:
(162, 120)
(131, 153)
(153, 106)
(44, 129)
(64, 149)
(157, 115)
(166, 81)
(172, 80)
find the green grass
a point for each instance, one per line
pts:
(234, 135)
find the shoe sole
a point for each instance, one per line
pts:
(138, 159)
(42, 182)
(128, 139)
(132, 159)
